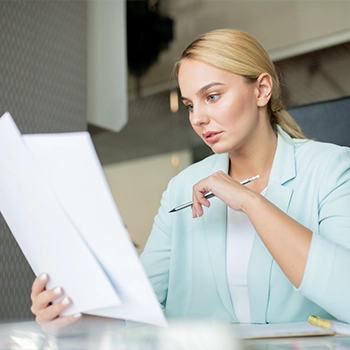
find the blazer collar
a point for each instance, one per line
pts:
(283, 167)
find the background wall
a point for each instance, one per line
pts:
(43, 86)
(137, 186)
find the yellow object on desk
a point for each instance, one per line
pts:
(335, 326)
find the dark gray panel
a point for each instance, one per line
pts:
(43, 86)
(327, 121)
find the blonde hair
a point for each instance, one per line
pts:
(238, 52)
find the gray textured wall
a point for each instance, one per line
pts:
(43, 86)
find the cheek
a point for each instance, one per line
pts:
(238, 108)
(230, 111)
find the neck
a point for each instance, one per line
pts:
(255, 160)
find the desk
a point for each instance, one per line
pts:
(99, 333)
(301, 343)
(95, 333)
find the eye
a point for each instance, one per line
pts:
(212, 97)
(189, 106)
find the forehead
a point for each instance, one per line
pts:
(197, 69)
(194, 75)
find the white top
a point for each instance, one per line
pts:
(240, 237)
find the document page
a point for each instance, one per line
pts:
(280, 330)
(57, 203)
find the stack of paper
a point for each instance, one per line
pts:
(57, 204)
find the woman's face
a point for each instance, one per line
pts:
(223, 106)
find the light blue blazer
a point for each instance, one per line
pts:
(185, 258)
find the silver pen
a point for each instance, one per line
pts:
(210, 195)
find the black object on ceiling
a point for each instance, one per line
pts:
(148, 33)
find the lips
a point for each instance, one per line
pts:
(211, 136)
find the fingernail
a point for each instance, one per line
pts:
(57, 291)
(66, 301)
(43, 277)
(77, 315)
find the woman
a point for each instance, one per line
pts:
(274, 250)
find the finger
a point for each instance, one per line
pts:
(53, 311)
(198, 201)
(61, 325)
(44, 299)
(39, 285)
(197, 209)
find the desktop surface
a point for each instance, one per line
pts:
(299, 343)
(100, 333)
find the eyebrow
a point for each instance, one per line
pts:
(207, 87)
(204, 88)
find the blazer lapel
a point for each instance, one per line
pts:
(261, 261)
(215, 219)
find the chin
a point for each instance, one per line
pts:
(218, 150)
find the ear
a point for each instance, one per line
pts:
(264, 89)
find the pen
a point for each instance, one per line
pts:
(335, 326)
(210, 195)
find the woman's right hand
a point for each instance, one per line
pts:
(46, 311)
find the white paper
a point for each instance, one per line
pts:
(279, 330)
(103, 275)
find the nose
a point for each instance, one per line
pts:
(199, 117)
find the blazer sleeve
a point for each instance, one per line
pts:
(326, 278)
(156, 254)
